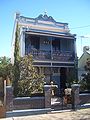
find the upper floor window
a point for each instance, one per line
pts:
(31, 43)
(56, 44)
(67, 45)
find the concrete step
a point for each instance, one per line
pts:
(16, 113)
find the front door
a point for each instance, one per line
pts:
(63, 78)
(56, 80)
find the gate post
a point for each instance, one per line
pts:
(47, 92)
(9, 98)
(75, 96)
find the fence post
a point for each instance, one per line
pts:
(9, 98)
(47, 92)
(75, 96)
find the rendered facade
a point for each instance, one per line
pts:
(52, 45)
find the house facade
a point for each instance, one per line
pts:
(52, 45)
(82, 62)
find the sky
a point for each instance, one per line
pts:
(74, 12)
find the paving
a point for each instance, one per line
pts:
(82, 114)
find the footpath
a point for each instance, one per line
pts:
(82, 114)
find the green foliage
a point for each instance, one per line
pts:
(30, 81)
(85, 82)
(16, 60)
(5, 68)
(17, 48)
(71, 78)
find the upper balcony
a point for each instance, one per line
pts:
(47, 48)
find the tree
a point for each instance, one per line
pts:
(5, 68)
(30, 81)
(85, 82)
(71, 79)
(16, 60)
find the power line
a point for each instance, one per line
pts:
(80, 27)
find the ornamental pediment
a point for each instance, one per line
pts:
(45, 18)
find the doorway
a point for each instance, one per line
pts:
(63, 77)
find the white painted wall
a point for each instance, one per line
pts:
(22, 43)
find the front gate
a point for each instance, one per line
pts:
(63, 101)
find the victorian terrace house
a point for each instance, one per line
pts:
(52, 45)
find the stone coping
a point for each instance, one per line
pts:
(47, 85)
(75, 85)
(81, 94)
(16, 113)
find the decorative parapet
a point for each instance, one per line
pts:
(43, 22)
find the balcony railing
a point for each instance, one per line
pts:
(41, 55)
(54, 55)
(63, 56)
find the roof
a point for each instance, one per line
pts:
(87, 52)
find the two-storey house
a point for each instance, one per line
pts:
(52, 45)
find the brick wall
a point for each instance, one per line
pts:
(21, 103)
(28, 103)
(84, 98)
